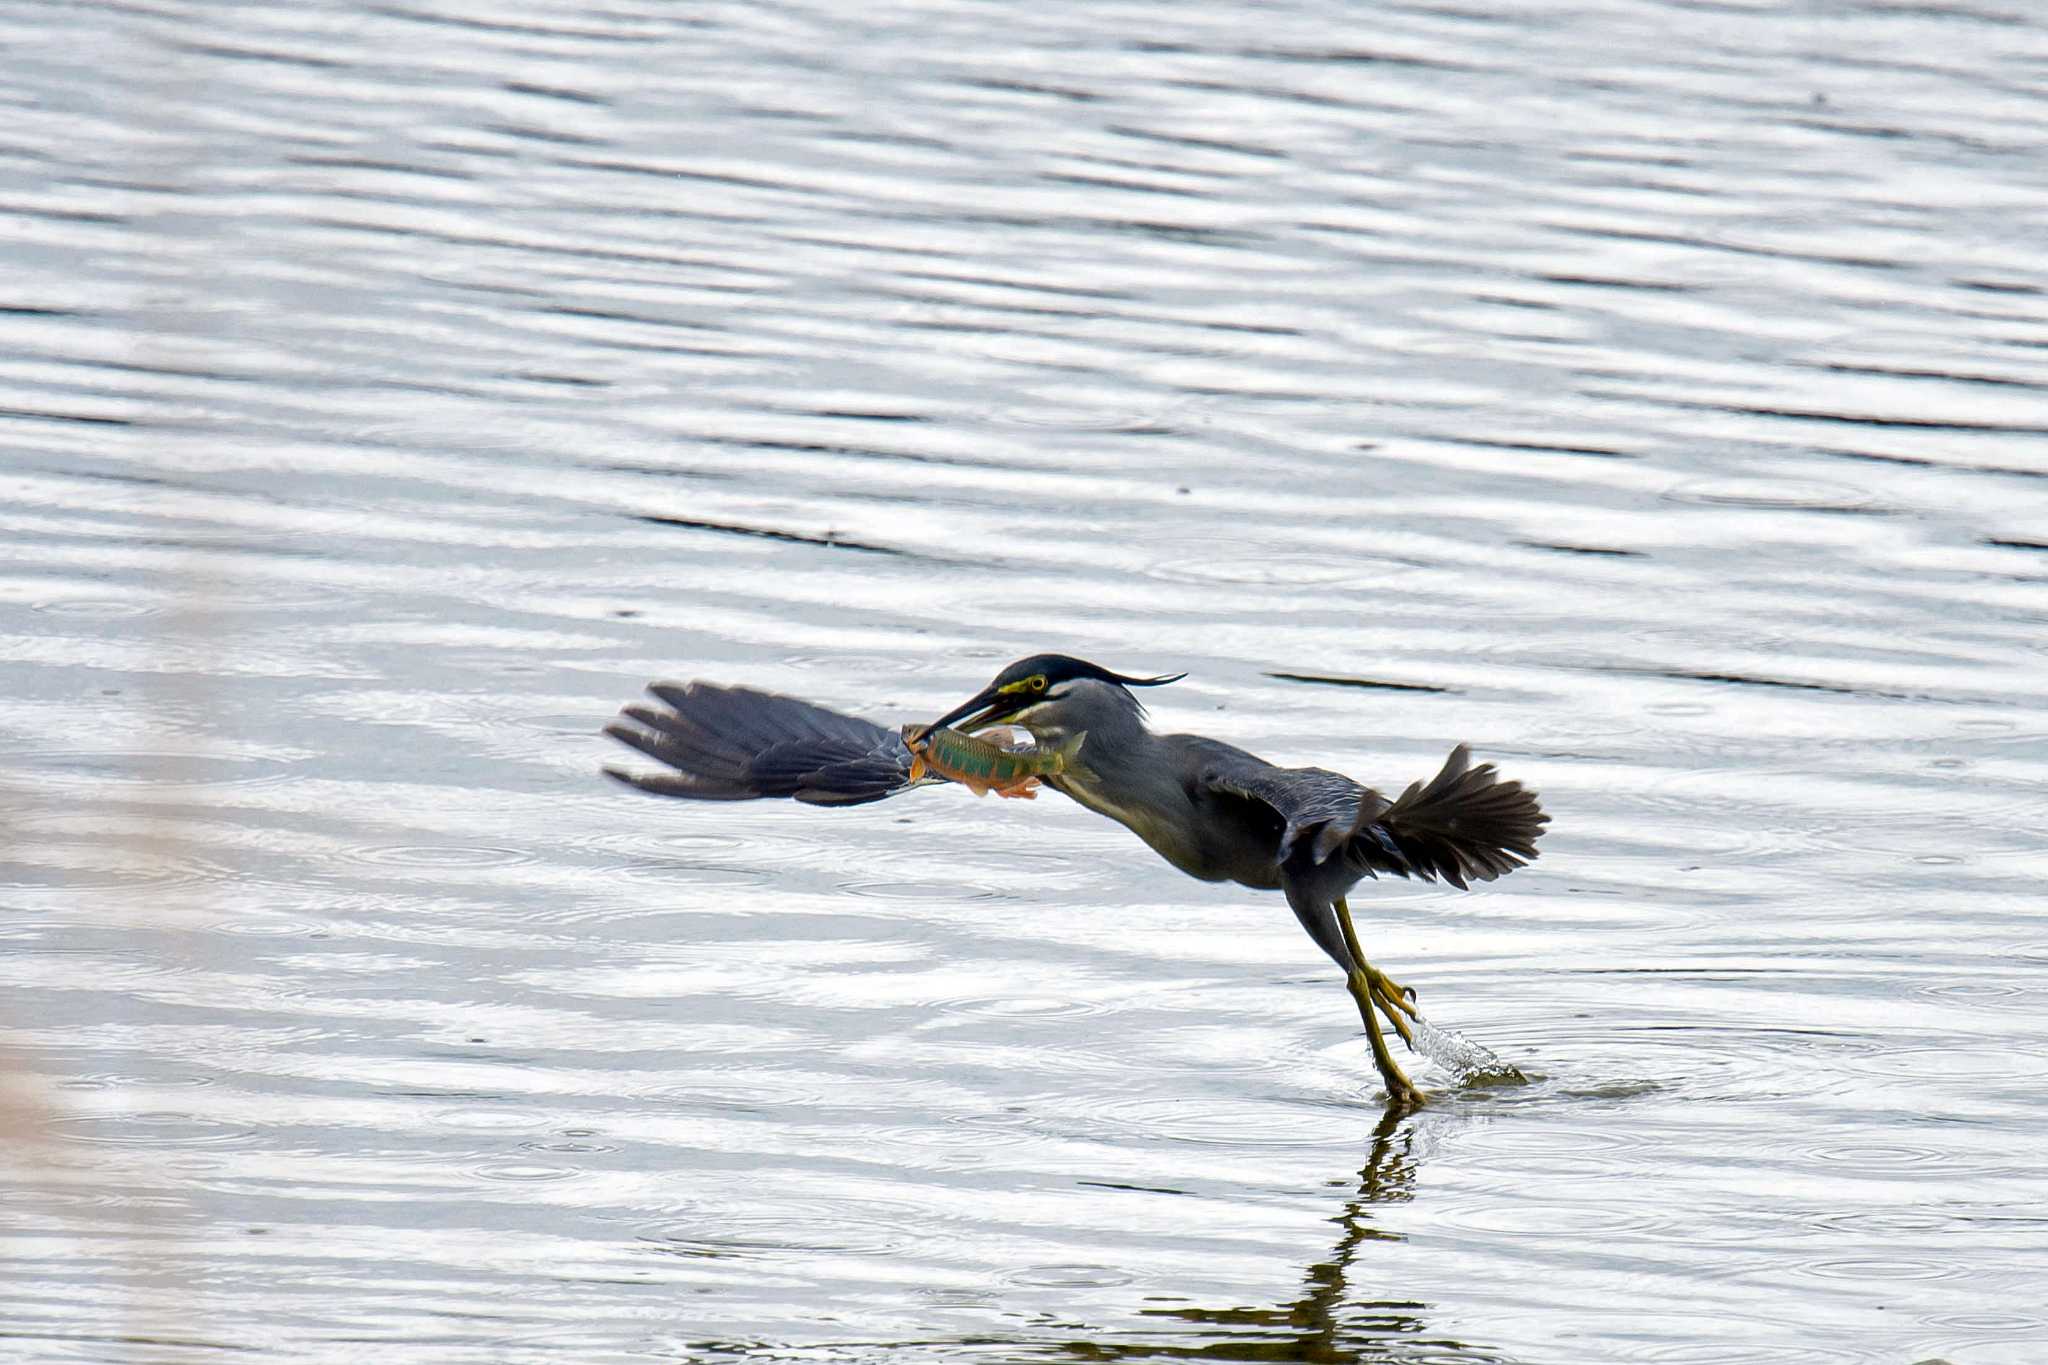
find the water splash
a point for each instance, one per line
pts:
(1472, 1063)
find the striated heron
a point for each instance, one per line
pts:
(1212, 810)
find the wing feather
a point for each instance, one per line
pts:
(739, 744)
(1312, 803)
(1463, 825)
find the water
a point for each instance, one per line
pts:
(1466, 1062)
(1651, 395)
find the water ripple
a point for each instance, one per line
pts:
(438, 855)
(772, 1227)
(1773, 495)
(165, 1129)
(384, 399)
(1224, 1123)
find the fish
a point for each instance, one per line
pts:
(982, 766)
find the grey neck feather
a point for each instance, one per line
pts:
(1126, 772)
(1111, 717)
(1125, 758)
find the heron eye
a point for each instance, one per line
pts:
(1038, 683)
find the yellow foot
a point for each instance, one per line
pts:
(1400, 1089)
(1393, 992)
(1407, 1095)
(1394, 1002)
(1374, 989)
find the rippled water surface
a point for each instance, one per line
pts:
(1651, 394)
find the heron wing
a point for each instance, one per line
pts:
(737, 744)
(1312, 803)
(1463, 825)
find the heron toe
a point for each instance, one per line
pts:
(1399, 1087)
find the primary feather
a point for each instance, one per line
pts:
(739, 744)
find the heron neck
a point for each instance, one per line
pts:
(1123, 770)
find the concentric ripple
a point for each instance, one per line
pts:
(157, 1129)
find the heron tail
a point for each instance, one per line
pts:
(1463, 825)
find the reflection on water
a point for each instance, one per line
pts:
(1334, 1317)
(1650, 396)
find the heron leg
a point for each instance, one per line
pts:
(1373, 982)
(1399, 1087)
(1328, 922)
(1371, 988)
(1393, 997)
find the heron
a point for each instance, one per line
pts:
(1212, 810)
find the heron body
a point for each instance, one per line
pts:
(1214, 811)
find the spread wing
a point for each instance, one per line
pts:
(1463, 825)
(737, 744)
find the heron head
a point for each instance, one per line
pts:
(1040, 689)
